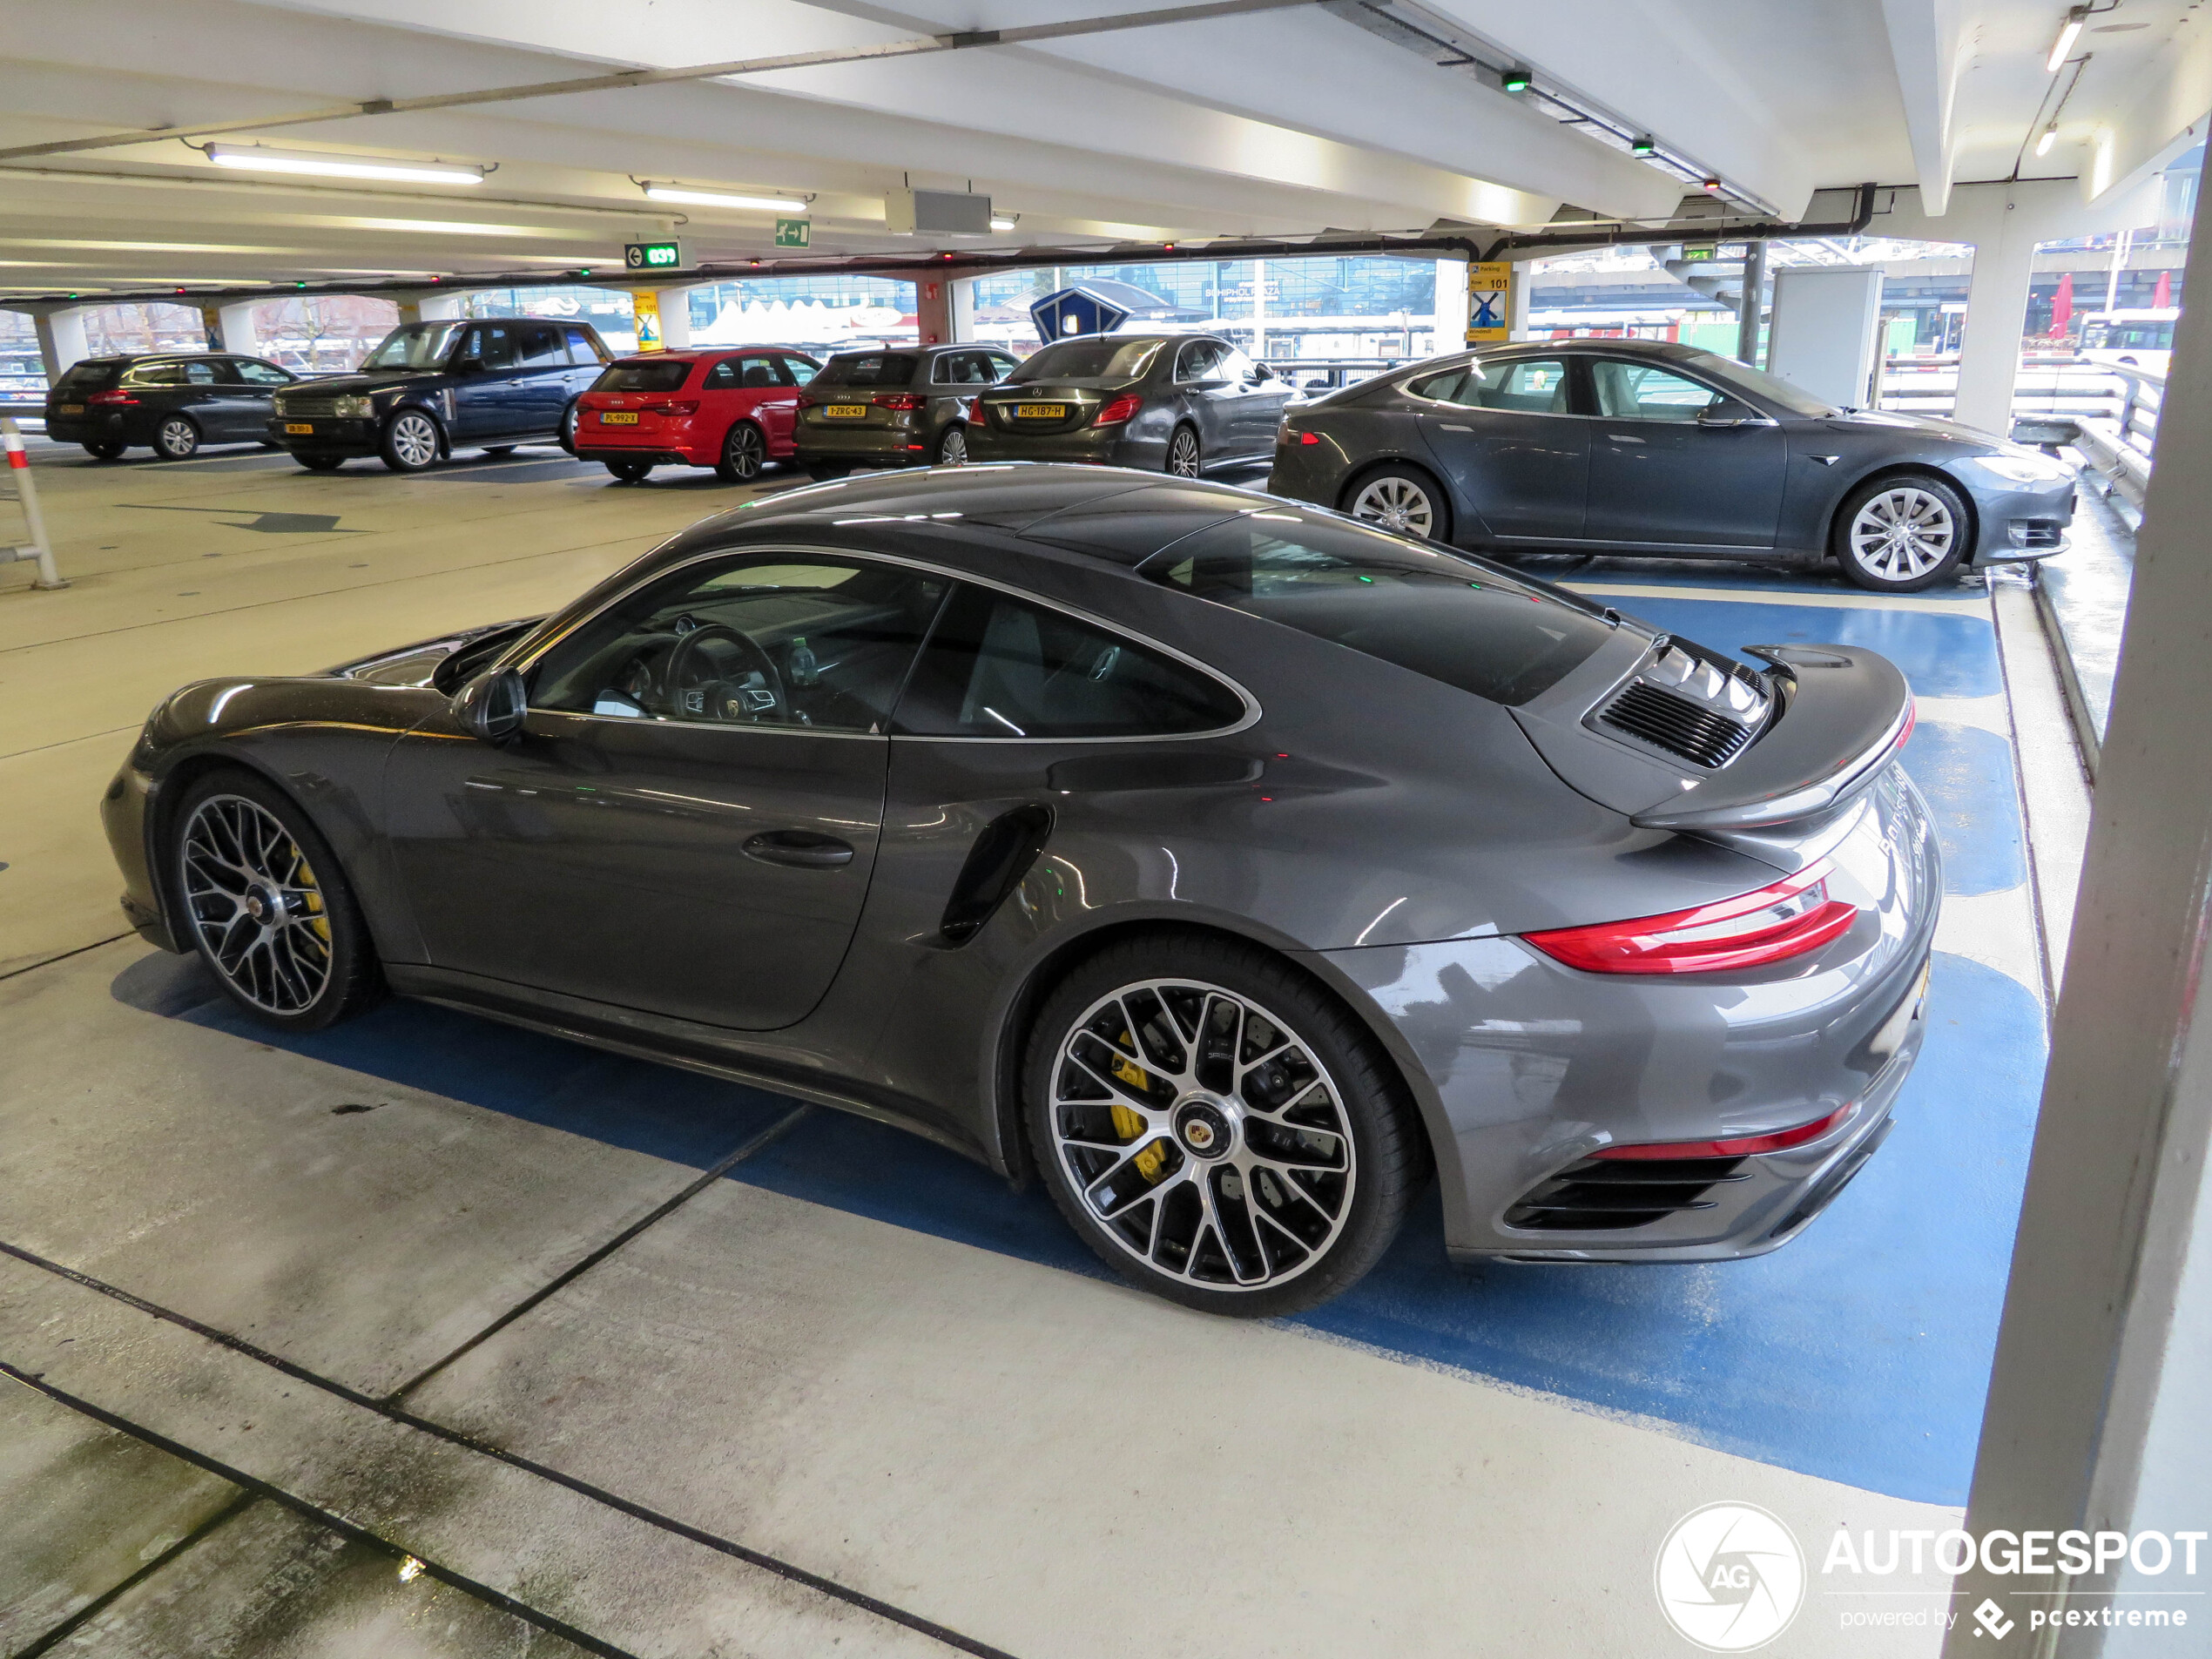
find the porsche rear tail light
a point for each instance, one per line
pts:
(1121, 408)
(671, 406)
(1745, 1146)
(903, 402)
(1750, 930)
(111, 398)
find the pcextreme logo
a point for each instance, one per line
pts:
(1730, 1577)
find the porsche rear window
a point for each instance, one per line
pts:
(658, 375)
(1450, 618)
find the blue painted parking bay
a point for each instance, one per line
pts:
(1858, 1353)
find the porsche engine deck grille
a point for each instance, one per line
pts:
(1677, 723)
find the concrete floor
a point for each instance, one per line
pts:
(428, 1335)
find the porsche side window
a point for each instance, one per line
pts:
(1640, 392)
(999, 667)
(773, 639)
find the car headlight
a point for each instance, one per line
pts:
(2024, 469)
(353, 409)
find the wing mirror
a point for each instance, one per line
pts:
(490, 707)
(1730, 414)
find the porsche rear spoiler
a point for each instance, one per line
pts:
(1842, 715)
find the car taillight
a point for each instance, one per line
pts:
(1309, 437)
(1750, 930)
(671, 406)
(803, 401)
(899, 400)
(1742, 1146)
(973, 409)
(1119, 411)
(111, 398)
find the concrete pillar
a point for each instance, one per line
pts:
(1450, 306)
(439, 304)
(61, 340)
(2097, 1401)
(933, 305)
(1989, 355)
(233, 328)
(962, 290)
(1751, 308)
(676, 319)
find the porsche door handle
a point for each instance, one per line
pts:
(798, 848)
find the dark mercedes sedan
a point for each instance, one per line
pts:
(1178, 403)
(1652, 448)
(172, 402)
(1227, 864)
(431, 387)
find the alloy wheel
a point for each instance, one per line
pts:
(744, 452)
(255, 904)
(1902, 534)
(415, 440)
(1203, 1135)
(1396, 503)
(178, 438)
(953, 451)
(1183, 452)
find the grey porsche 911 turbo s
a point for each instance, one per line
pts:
(1227, 863)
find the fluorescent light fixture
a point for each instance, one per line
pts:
(2050, 137)
(1004, 222)
(723, 198)
(2069, 31)
(253, 158)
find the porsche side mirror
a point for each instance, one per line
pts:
(490, 707)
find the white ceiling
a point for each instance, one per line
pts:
(1286, 122)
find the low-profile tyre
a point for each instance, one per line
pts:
(952, 448)
(1404, 499)
(104, 451)
(320, 463)
(1218, 1127)
(1185, 459)
(629, 472)
(501, 450)
(266, 907)
(567, 440)
(1902, 534)
(744, 452)
(176, 438)
(411, 441)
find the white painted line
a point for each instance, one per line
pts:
(1785, 596)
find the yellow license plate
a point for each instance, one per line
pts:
(72, 409)
(845, 411)
(617, 419)
(1040, 411)
(299, 426)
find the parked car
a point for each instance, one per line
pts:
(893, 407)
(431, 387)
(1178, 403)
(731, 410)
(1225, 862)
(173, 401)
(1653, 449)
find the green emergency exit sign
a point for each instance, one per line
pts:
(794, 233)
(653, 256)
(1695, 251)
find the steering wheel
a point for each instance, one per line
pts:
(693, 689)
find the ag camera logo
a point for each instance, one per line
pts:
(1730, 1577)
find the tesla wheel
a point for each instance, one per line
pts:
(266, 907)
(1900, 535)
(1218, 1127)
(1398, 498)
(744, 452)
(104, 451)
(1183, 458)
(320, 463)
(410, 442)
(178, 439)
(952, 448)
(629, 472)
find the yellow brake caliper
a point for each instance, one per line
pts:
(317, 920)
(1127, 1124)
